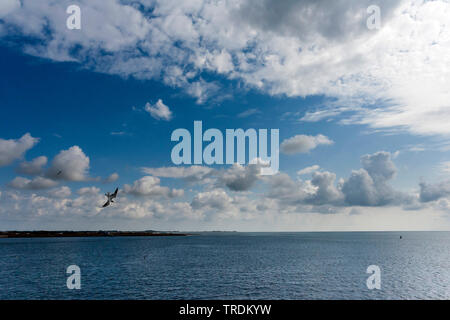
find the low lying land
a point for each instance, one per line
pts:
(57, 234)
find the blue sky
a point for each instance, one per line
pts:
(82, 96)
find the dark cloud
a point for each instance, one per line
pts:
(240, 178)
(309, 19)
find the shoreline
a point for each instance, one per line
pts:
(73, 234)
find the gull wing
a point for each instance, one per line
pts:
(106, 204)
(115, 193)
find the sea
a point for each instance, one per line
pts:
(220, 265)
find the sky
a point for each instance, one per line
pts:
(362, 114)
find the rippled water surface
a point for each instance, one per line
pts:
(230, 266)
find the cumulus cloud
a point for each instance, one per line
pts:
(236, 178)
(150, 186)
(360, 189)
(216, 199)
(34, 184)
(14, 149)
(61, 192)
(325, 189)
(379, 165)
(321, 192)
(369, 186)
(285, 189)
(34, 167)
(88, 191)
(240, 178)
(112, 177)
(303, 143)
(146, 198)
(71, 164)
(159, 111)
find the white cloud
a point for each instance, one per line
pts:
(71, 164)
(34, 167)
(248, 113)
(277, 48)
(360, 189)
(308, 170)
(326, 191)
(150, 186)
(221, 62)
(303, 143)
(379, 165)
(159, 111)
(216, 199)
(112, 178)
(202, 90)
(61, 192)
(365, 189)
(14, 149)
(88, 191)
(35, 184)
(369, 185)
(236, 178)
(318, 115)
(286, 190)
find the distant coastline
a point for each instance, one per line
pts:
(71, 234)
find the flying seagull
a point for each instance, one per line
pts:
(110, 197)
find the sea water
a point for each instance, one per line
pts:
(322, 265)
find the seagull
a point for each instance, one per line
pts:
(110, 198)
(59, 172)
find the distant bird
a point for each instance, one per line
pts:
(400, 237)
(110, 198)
(59, 172)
